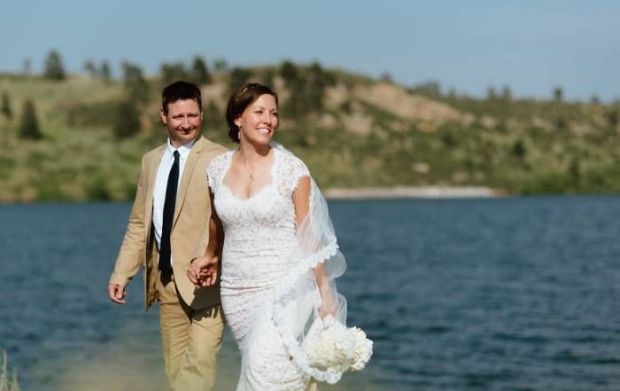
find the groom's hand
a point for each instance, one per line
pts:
(202, 271)
(117, 293)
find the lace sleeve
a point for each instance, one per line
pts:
(290, 172)
(215, 171)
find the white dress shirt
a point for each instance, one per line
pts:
(161, 181)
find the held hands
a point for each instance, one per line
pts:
(203, 271)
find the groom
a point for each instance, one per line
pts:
(168, 221)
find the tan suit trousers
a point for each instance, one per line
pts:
(191, 340)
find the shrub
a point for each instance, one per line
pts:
(5, 107)
(127, 120)
(29, 125)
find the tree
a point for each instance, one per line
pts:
(289, 73)
(574, 172)
(29, 125)
(135, 83)
(386, 77)
(214, 117)
(127, 120)
(561, 123)
(220, 65)
(268, 76)
(519, 150)
(506, 94)
(171, 72)
(90, 68)
(104, 72)
(238, 77)
(491, 94)
(558, 94)
(430, 88)
(613, 118)
(315, 86)
(27, 67)
(200, 71)
(54, 70)
(5, 107)
(294, 82)
(306, 86)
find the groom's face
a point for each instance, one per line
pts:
(183, 120)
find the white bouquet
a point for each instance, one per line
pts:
(331, 346)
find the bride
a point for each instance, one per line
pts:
(279, 255)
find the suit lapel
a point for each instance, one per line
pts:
(192, 159)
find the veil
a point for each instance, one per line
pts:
(296, 297)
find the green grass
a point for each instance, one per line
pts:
(522, 146)
(8, 382)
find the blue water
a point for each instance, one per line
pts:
(493, 294)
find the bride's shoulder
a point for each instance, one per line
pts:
(217, 167)
(290, 169)
(219, 162)
(221, 158)
(291, 164)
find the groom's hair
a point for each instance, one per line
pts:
(180, 90)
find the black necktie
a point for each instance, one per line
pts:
(171, 194)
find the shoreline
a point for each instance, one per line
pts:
(362, 193)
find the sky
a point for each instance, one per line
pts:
(532, 46)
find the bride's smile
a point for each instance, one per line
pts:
(259, 120)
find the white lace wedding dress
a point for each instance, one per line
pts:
(259, 234)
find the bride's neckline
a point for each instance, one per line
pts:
(256, 192)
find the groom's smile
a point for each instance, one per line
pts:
(183, 119)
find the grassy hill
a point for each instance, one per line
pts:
(351, 130)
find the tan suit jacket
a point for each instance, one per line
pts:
(189, 235)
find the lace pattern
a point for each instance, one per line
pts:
(259, 232)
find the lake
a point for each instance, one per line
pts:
(471, 294)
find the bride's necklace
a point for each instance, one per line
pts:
(250, 172)
(247, 170)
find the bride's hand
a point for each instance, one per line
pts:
(202, 271)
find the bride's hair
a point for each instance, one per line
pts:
(239, 101)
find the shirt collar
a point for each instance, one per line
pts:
(184, 149)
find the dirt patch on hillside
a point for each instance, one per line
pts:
(405, 105)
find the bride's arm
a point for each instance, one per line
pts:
(301, 200)
(203, 270)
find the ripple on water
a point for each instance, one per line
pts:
(506, 294)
